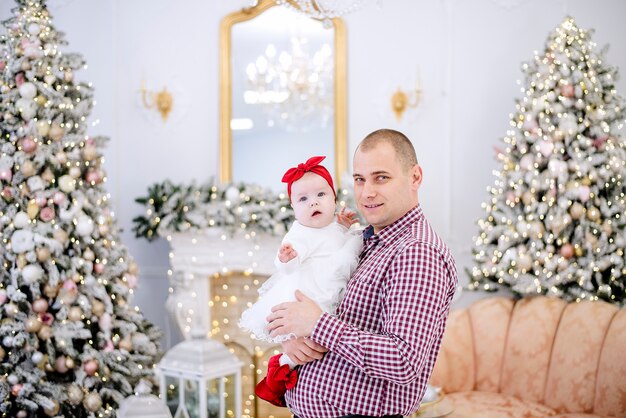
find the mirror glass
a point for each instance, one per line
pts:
(283, 91)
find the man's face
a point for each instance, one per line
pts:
(383, 189)
(313, 201)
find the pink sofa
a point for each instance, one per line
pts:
(537, 357)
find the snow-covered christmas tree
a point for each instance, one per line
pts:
(71, 344)
(555, 220)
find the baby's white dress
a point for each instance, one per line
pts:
(326, 259)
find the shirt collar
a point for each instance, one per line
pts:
(390, 232)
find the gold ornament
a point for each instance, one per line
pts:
(586, 181)
(578, 251)
(47, 175)
(41, 100)
(90, 152)
(126, 343)
(89, 255)
(32, 209)
(74, 394)
(43, 128)
(558, 135)
(133, 268)
(593, 213)
(21, 261)
(61, 157)
(11, 309)
(527, 198)
(61, 236)
(28, 168)
(69, 363)
(25, 191)
(97, 308)
(43, 254)
(75, 313)
(2, 353)
(32, 324)
(53, 410)
(45, 333)
(92, 402)
(56, 132)
(577, 211)
(50, 291)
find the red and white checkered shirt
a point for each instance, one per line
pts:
(386, 334)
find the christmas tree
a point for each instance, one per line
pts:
(555, 220)
(71, 345)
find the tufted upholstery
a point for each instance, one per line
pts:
(537, 357)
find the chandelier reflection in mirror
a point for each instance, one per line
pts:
(293, 88)
(323, 10)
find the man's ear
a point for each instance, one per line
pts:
(416, 176)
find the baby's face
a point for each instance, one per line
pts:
(313, 201)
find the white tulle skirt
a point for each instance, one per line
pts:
(323, 280)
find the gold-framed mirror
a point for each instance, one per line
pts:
(283, 93)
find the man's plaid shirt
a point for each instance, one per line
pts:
(386, 334)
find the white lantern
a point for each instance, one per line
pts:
(196, 367)
(143, 405)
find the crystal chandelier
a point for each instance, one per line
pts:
(323, 10)
(293, 87)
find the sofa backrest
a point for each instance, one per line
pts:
(578, 343)
(571, 357)
(533, 324)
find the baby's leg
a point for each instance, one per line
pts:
(285, 359)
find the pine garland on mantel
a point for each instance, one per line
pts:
(174, 208)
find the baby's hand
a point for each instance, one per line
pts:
(286, 253)
(346, 217)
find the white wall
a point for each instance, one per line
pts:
(468, 54)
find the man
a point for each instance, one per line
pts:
(383, 341)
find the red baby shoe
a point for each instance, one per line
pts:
(278, 380)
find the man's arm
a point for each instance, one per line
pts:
(416, 296)
(303, 350)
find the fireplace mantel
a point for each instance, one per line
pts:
(197, 256)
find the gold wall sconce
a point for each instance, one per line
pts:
(162, 100)
(402, 100)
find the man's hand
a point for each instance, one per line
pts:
(346, 217)
(298, 318)
(303, 350)
(286, 253)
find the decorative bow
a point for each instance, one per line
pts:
(295, 173)
(312, 165)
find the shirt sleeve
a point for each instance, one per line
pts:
(415, 301)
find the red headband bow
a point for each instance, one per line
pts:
(312, 165)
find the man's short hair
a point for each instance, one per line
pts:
(405, 152)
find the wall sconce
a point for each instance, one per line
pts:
(402, 100)
(162, 100)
